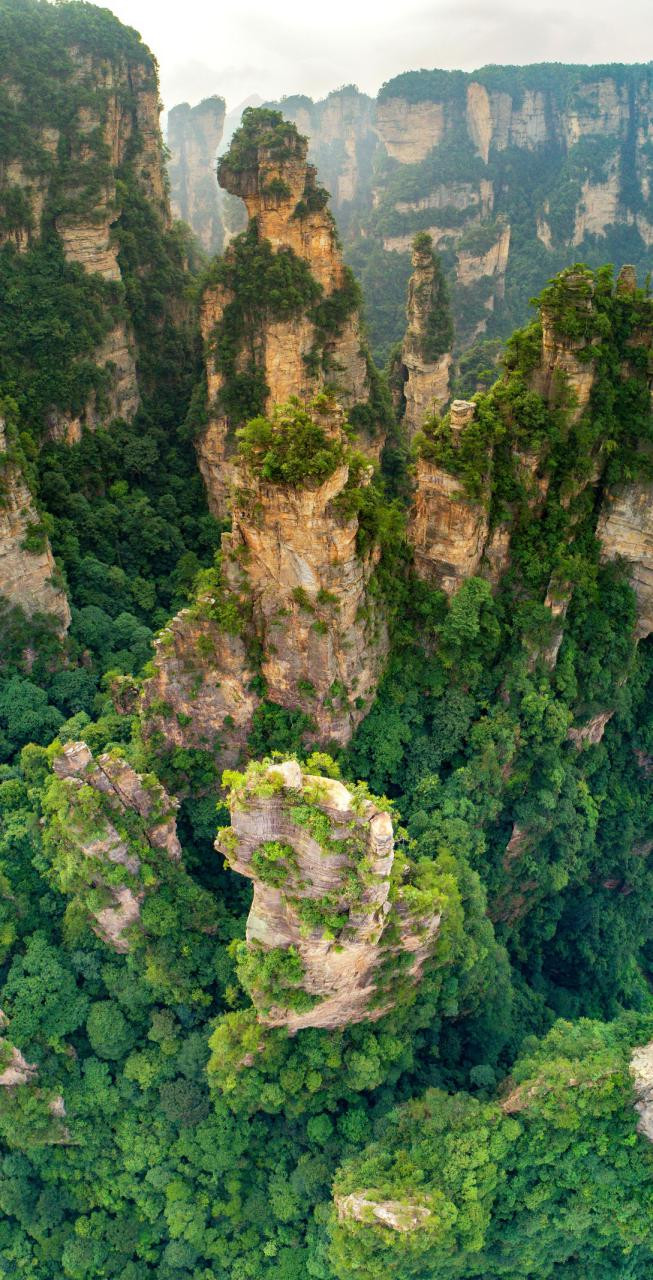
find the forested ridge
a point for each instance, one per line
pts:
(473, 847)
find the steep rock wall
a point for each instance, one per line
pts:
(27, 578)
(325, 899)
(302, 348)
(194, 135)
(425, 368)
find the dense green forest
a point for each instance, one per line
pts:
(153, 1127)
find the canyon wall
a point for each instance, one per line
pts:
(500, 166)
(328, 918)
(28, 575)
(194, 135)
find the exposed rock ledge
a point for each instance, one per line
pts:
(97, 838)
(321, 858)
(398, 1215)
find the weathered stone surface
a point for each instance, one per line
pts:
(199, 694)
(125, 792)
(641, 1069)
(27, 578)
(560, 366)
(592, 732)
(341, 968)
(625, 530)
(272, 190)
(448, 531)
(398, 1215)
(194, 135)
(14, 1068)
(425, 382)
(409, 130)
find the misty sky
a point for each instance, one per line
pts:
(294, 46)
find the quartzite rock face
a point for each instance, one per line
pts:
(292, 561)
(425, 381)
(199, 695)
(124, 792)
(641, 1069)
(27, 578)
(625, 530)
(194, 135)
(323, 634)
(293, 356)
(340, 868)
(115, 130)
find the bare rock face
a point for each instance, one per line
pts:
(409, 130)
(591, 732)
(323, 634)
(292, 354)
(641, 1069)
(327, 913)
(339, 132)
(625, 530)
(292, 568)
(448, 531)
(199, 695)
(14, 1068)
(397, 1215)
(562, 363)
(98, 795)
(116, 125)
(194, 135)
(425, 379)
(27, 578)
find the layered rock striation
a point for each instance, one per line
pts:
(194, 135)
(283, 316)
(109, 831)
(295, 589)
(425, 363)
(329, 917)
(28, 574)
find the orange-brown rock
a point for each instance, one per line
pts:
(27, 578)
(425, 380)
(320, 855)
(199, 695)
(625, 531)
(291, 565)
(267, 167)
(98, 794)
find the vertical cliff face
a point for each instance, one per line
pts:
(329, 916)
(28, 575)
(194, 135)
(283, 317)
(294, 586)
(341, 141)
(108, 830)
(82, 143)
(425, 362)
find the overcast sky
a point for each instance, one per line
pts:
(295, 46)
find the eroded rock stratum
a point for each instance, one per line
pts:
(336, 929)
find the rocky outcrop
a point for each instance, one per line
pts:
(325, 926)
(365, 1207)
(90, 834)
(285, 346)
(294, 575)
(590, 733)
(641, 1070)
(14, 1068)
(425, 359)
(340, 140)
(194, 135)
(28, 577)
(564, 367)
(75, 176)
(200, 694)
(449, 532)
(625, 531)
(409, 130)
